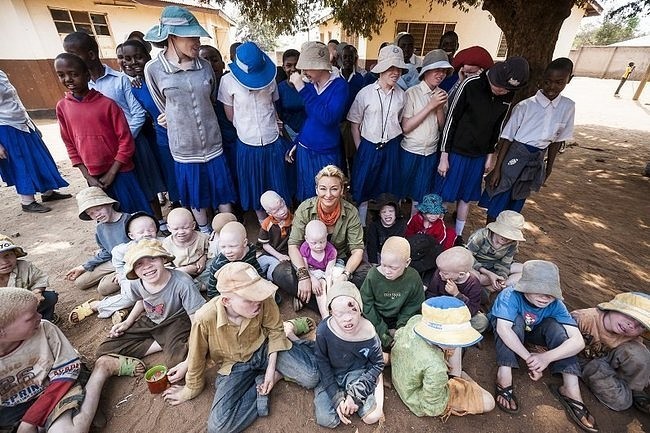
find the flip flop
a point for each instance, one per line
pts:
(575, 409)
(128, 364)
(509, 394)
(84, 310)
(302, 325)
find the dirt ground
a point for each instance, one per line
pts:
(593, 220)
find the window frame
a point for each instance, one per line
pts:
(92, 23)
(421, 50)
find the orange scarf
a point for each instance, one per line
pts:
(329, 218)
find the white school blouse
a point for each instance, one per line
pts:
(378, 112)
(423, 140)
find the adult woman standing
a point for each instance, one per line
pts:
(325, 97)
(182, 84)
(344, 232)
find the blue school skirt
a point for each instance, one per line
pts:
(500, 202)
(417, 173)
(308, 164)
(126, 189)
(165, 160)
(205, 184)
(260, 169)
(146, 167)
(376, 171)
(464, 178)
(29, 165)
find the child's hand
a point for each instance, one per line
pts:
(494, 178)
(177, 373)
(290, 157)
(537, 362)
(283, 258)
(93, 181)
(173, 395)
(39, 293)
(296, 80)
(451, 288)
(74, 273)
(107, 179)
(489, 163)
(535, 375)
(136, 83)
(496, 282)
(438, 99)
(265, 387)
(3, 152)
(443, 166)
(119, 329)
(346, 408)
(162, 120)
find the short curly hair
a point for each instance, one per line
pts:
(14, 301)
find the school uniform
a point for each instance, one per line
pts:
(290, 108)
(376, 166)
(260, 149)
(535, 123)
(418, 154)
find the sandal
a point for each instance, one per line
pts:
(508, 393)
(297, 304)
(302, 325)
(128, 364)
(82, 311)
(642, 402)
(576, 410)
(119, 316)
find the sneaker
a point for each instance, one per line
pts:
(35, 207)
(55, 195)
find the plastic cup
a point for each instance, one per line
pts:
(156, 378)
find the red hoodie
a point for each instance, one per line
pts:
(95, 132)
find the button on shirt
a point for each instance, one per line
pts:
(378, 111)
(253, 110)
(538, 121)
(423, 140)
(12, 110)
(117, 86)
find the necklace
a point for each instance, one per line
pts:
(384, 121)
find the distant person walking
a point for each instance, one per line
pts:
(628, 70)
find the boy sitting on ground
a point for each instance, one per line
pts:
(615, 362)
(241, 330)
(45, 387)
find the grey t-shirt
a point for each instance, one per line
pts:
(178, 297)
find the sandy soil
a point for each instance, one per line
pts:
(593, 220)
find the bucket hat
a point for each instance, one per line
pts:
(633, 304)
(445, 322)
(508, 224)
(177, 21)
(252, 68)
(90, 197)
(512, 74)
(431, 203)
(435, 59)
(243, 280)
(144, 248)
(541, 277)
(477, 56)
(138, 214)
(390, 55)
(314, 55)
(344, 288)
(7, 244)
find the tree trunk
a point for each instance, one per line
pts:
(531, 28)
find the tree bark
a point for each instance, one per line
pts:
(531, 28)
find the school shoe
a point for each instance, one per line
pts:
(55, 195)
(35, 207)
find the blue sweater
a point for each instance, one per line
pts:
(290, 106)
(325, 112)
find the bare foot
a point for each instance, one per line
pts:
(290, 331)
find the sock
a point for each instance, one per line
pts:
(207, 228)
(460, 225)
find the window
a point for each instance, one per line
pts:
(351, 38)
(79, 21)
(426, 35)
(502, 52)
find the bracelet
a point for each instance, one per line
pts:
(346, 273)
(302, 274)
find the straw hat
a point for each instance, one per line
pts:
(476, 56)
(144, 248)
(314, 55)
(390, 55)
(431, 203)
(243, 280)
(633, 304)
(446, 322)
(512, 74)
(509, 224)
(90, 197)
(436, 59)
(540, 277)
(6, 244)
(344, 288)
(176, 21)
(252, 68)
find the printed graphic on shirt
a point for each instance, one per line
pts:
(529, 320)
(153, 311)
(23, 386)
(365, 351)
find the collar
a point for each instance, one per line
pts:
(377, 86)
(108, 71)
(333, 76)
(424, 87)
(286, 223)
(171, 68)
(222, 316)
(542, 100)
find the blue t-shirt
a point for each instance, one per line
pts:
(511, 304)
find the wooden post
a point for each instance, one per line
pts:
(644, 80)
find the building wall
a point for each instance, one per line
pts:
(610, 62)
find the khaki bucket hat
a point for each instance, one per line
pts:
(7, 244)
(314, 55)
(509, 224)
(390, 55)
(144, 248)
(633, 304)
(243, 280)
(90, 197)
(540, 277)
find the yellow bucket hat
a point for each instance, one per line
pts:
(445, 322)
(633, 304)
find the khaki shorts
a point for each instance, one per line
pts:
(465, 397)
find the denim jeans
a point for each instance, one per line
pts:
(550, 333)
(46, 306)
(326, 415)
(236, 401)
(268, 264)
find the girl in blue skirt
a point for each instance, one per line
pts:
(25, 161)
(376, 131)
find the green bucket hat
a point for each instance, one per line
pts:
(176, 21)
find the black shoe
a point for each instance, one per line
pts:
(459, 242)
(35, 207)
(55, 195)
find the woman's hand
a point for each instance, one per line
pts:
(304, 290)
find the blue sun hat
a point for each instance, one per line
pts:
(445, 322)
(431, 203)
(252, 68)
(176, 21)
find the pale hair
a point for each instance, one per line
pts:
(331, 171)
(458, 258)
(180, 213)
(14, 301)
(316, 228)
(221, 219)
(269, 198)
(397, 245)
(235, 228)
